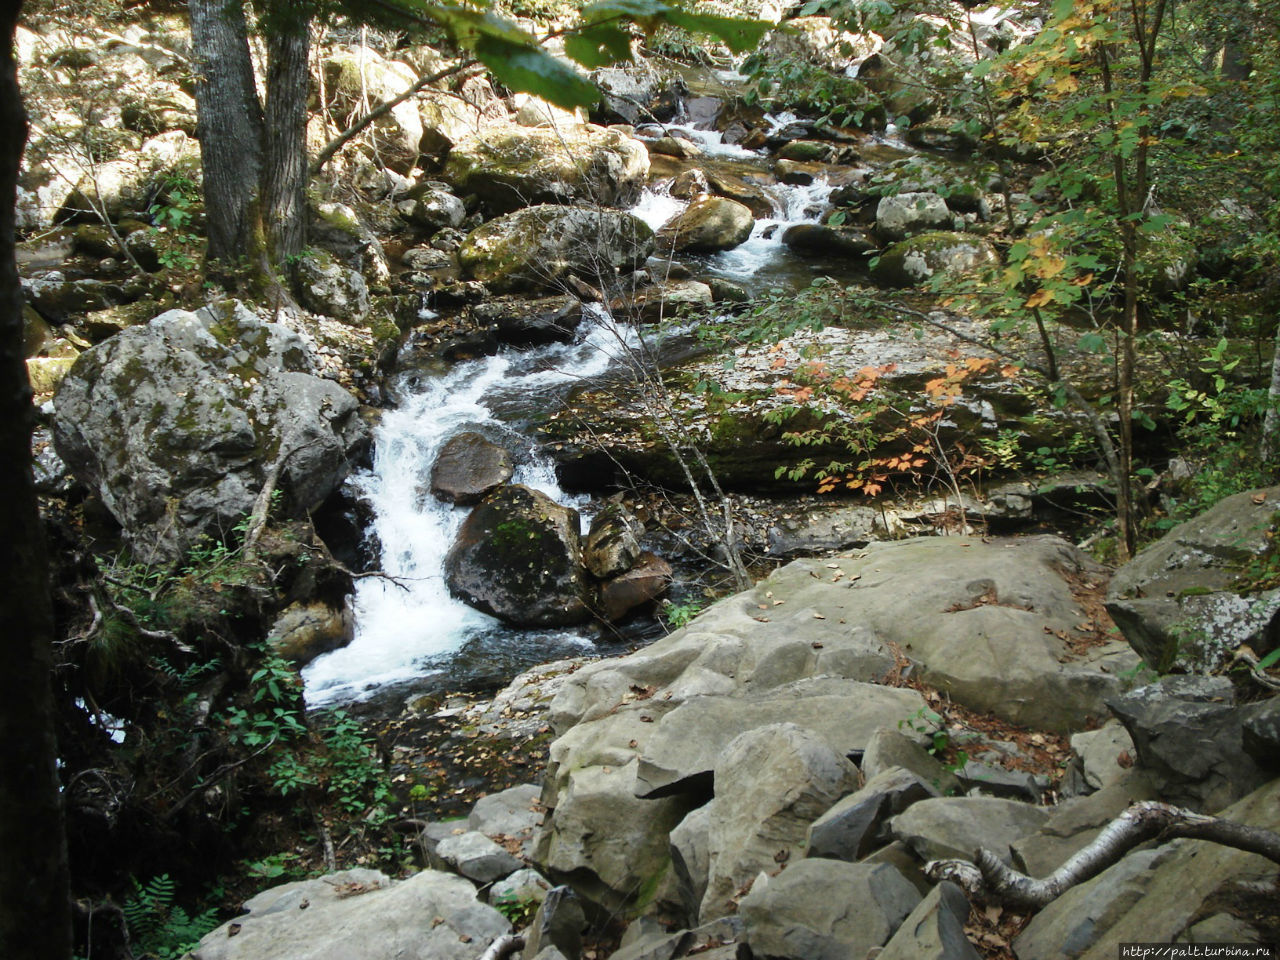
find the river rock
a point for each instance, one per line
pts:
(175, 424)
(956, 827)
(664, 300)
(1104, 754)
(508, 813)
(524, 322)
(770, 784)
(1177, 601)
(613, 541)
(857, 824)
(518, 557)
(330, 288)
(539, 246)
(359, 74)
(468, 468)
(707, 225)
(890, 748)
(303, 631)
(476, 857)
(935, 929)
(521, 166)
(913, 261)
(689, 184)
(1260, 724)
(823, 240)
(642, 584)
(826, 910)
(359, 913)
(906, 214)
(1188, 733)
(558, 923)
(433, 209)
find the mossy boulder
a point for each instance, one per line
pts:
(518, 557)
(539, 246)
(913, 261)
(707, 225)
(906, 214)
(176, 424)
(330, 288)
(510, 168)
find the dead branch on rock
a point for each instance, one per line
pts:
(1149, 820)
(503, 947)
(1251, 662)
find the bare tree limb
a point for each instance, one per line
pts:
(1144, 821)
(503, 947)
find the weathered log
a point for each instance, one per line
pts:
(503, 947)
(1144, 821)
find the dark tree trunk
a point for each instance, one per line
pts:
(35, 907)
(230, 124)
(284, 173)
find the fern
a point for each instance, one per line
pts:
(159, 928)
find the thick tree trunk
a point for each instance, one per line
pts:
(230, 124)
(284, 173)
(35, 907)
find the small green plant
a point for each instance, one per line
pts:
(680, 615)
(940, 746)
(275, 866)
(160, 928)
(519, 912)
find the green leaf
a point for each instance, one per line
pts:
(536, 71)
(598, 45)
(1270, 660)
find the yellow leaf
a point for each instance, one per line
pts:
(1039, 299)
(1065, 84)
(1049, 267)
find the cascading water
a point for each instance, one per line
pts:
(409, 627)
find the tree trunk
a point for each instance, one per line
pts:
(284, 173)
(35, 906)
(230, 124)
(1271, 419)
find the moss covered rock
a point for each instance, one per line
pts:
(913, 261)
(518, 557)
(538, 246)
(514, 167)
(707, 225)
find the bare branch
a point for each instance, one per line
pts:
(503, 947)
(1144, 821)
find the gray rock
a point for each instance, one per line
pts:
(175, 424)
(434, 210)
(691, 738)
(1101, 752)
(890, 748)
(431, 916)
(521, 321)
(1261, 731)
(905, 214)
(1188, 734)
(934, 930)
(707, 225)
(558, 923)
(1074, 824)
(915, 260)
(476, 857)
(956, 827)
(538, 247)
(770, 784)
(825, 910)
(1175, 600)
(518, 557)
(513, 812)
(858, 824)
(691, 860)
(469, 467)
(1221, 928)
(1081, 917)
(612, 545)
(520, 890)
(816, 239)
(648, 943)
(332, 289)
(664, 300)
(515, 167)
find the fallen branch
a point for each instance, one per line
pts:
(503, 947)
(1251, 662)
(1141, 822)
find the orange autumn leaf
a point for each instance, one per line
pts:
(1039, 299)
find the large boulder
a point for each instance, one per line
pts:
(360, 74)
(359, 913)
(942, 828)
(826, 910)
(707, 225)
(468, 468)
(514, 167)
(177, 423)
(915, 260)
(906, 214)
(642, 584)
(518, 557)
(1186, 601)
(540, 246)
(612, 546)
(770, 784)
(332, 289)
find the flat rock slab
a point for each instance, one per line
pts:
(956, 827)
(477, 857)
(430, 916)
(935, 929)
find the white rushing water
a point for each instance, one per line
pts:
(402, 627)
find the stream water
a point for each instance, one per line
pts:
(410, 633)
